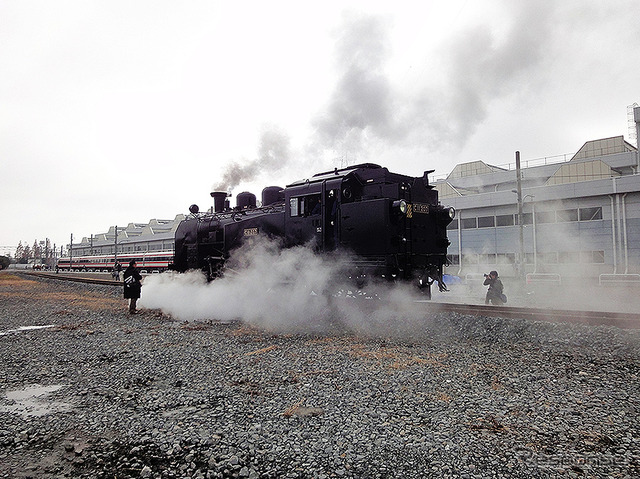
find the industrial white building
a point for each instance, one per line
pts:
(156, 235)
(581, 216)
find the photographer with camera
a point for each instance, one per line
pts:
(495, 293)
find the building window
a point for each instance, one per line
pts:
(486, 222)
(487, 259)
(546, 217)
(506, 258)
(566, 215)
(549, 258)
(590, 214)
(453, 225)
(527, 218)
(504, 220)
(470, 258)
(468, 223)
(598, 257)
(568, 257)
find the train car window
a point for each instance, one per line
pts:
(453, 225)
(305, 205)
(314, 205)
(293, 206)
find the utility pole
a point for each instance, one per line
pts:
(71, 254)
(521, 261)
(115, 259)
(636, 118)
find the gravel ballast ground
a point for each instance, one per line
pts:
(431, 396)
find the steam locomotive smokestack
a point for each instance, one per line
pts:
(219, 198)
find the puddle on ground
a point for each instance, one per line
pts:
(33, 401)
(25, 328)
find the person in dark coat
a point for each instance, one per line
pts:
(494, 293)
(132, 285)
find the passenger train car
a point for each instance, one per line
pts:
(149, 262)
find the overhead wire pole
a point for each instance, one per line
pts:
(521, 261)
(636, 118)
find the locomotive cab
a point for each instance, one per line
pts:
(393, 224)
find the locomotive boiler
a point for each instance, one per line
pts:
(389, 225)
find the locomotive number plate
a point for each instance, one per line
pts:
(421, 208)
(251, 231)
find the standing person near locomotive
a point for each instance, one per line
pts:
(117, 267)
(132, 286)
(495, 293)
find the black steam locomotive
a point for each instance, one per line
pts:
(391, 225)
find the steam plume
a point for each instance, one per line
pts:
(478, 67)
(271, 288)
(273, 154)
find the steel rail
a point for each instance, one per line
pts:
(592, 318)
(77, 279)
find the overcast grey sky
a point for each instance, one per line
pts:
(121, 111)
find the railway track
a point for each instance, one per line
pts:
(593, 318)
(77, 277)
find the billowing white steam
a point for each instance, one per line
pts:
(272, 288)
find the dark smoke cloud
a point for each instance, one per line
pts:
(482, 67)
(478, 67)
(362, 100)
(273, 155)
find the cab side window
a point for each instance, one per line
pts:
(305, 205)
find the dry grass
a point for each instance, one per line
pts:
(496, 385)
(260, 351)
(197, 326)
(442, 396)
(8, 279)
(290, 411)
(245, 330)
(394, 358)
(12, 286)
(490, 423)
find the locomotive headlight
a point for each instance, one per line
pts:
(400, 206)
(452, 212)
